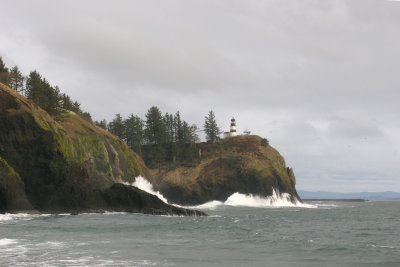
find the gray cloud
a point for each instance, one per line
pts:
(318, 78)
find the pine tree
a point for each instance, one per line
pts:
(170, 146)
(155, 128)
(116, 126)
(34, 87)
(179, 138)
(39, 90)
(86, 115)
(4, 75)
(16, 79)
(211, 128)
(102, 124)
(134, 133)
(155, 135)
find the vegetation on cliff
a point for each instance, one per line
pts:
(12, 190)
(244, 164)
(159, 139)
(38, 89)
(68, 164)
(50, 147)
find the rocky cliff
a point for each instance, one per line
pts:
(66, 165)
(243, 164)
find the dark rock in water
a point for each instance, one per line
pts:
(243, 164)
(126, 198)
(65, 165)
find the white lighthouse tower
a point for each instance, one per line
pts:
(232, 132)
(233, 127)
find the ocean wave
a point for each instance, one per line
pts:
(277, 200)
(144, 185)
(11, 217)
(7, 241)
(18, 216)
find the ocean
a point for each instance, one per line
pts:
(322, 234)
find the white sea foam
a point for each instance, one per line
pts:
(242, 200)
(146, 186)
(7, 241)
(277, 200)
(17, 216)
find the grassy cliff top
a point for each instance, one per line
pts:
(246, 164)
(226, 159)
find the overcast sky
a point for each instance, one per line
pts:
(320, 79)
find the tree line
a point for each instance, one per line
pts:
(162, 138)
(38, 89)
(159, 138)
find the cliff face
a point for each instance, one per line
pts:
(243, 164)
(64, 165)
(12, 190)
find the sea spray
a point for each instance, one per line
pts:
(277, 200)
(144, 185)
(242, 200)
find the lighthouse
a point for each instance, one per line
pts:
(232, 131)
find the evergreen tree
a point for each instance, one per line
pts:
(155, 135)
(134, 133)
(179, 138)
(170, 146)
(101, 124)
(169, 124)
(39, 90)
(65, 102)
(36, 89)
(16, 79)
(4, 75)
(155, 131)
(116, 126)
(211, 128)
(178, 128)
(87, 116)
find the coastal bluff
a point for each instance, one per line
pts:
(67, 164)
(244, 164)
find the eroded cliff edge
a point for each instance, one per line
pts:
(245, 164)
(66, 165)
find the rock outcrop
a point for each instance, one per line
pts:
(243, 164)
(66, 165)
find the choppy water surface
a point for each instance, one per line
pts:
(334, 234)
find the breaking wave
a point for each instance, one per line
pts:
(242, 200)
(10, 217)
(146, 186)
(277, 200)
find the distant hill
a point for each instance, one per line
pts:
(388, 195)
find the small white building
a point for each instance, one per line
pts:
(232, 132)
